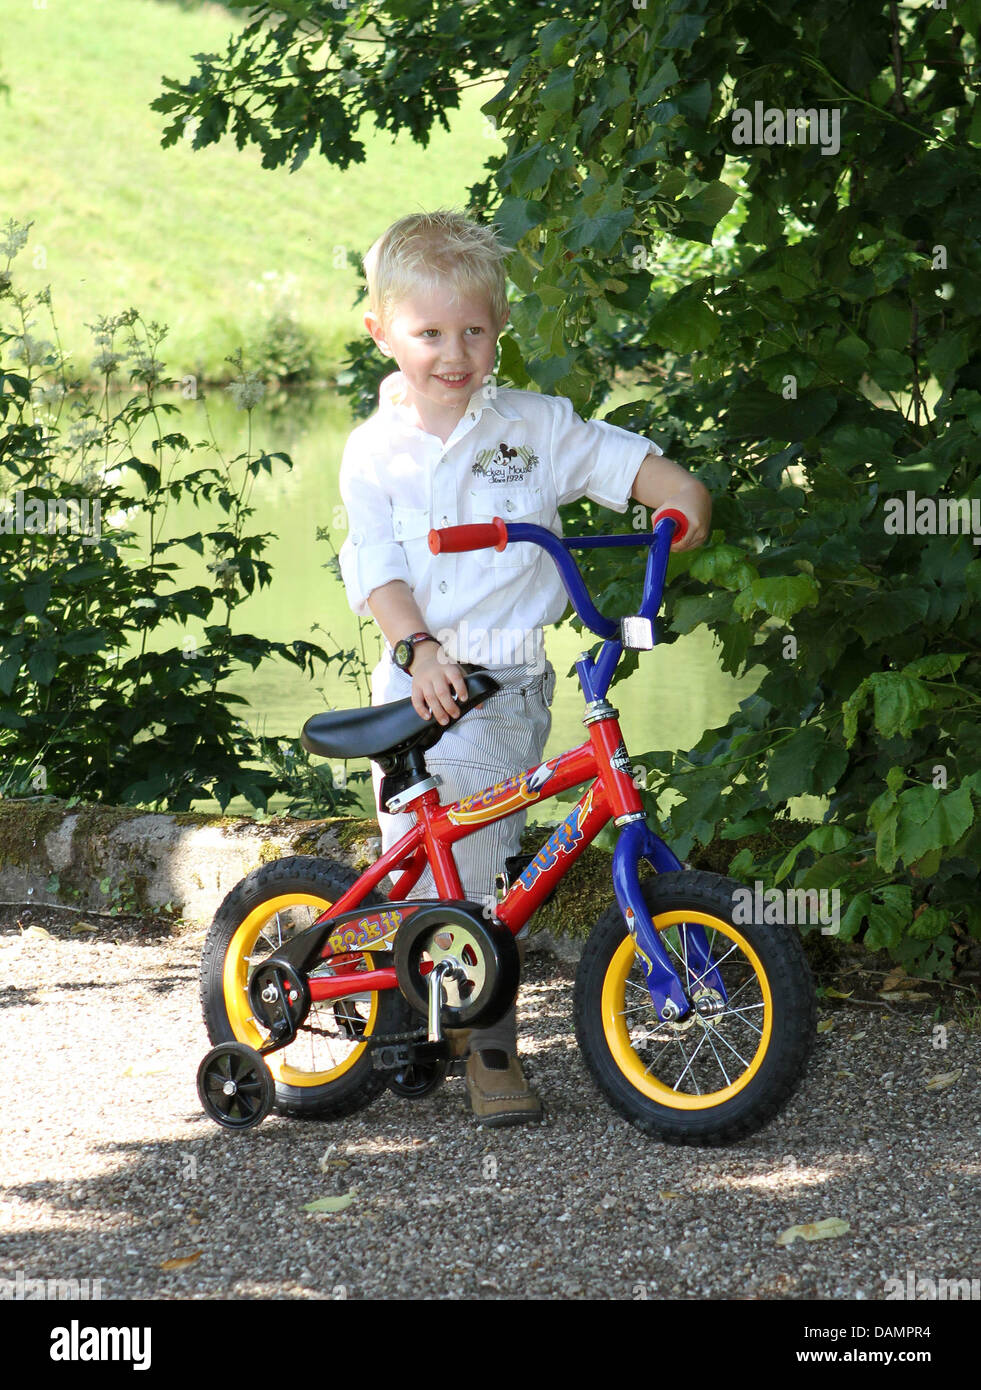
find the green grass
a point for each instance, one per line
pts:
(182, 233)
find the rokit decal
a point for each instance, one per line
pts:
(374, 929)
(502, 798)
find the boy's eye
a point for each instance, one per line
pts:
(434, 332)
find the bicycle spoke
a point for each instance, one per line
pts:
(718, 1059)
(738, 1013)
(715, 965)
(710, 1029)
(690, 1060)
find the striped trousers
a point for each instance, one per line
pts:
(505, 736)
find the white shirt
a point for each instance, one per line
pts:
(518, 455)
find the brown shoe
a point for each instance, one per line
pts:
(498, 1091)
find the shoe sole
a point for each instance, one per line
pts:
(509, 1117)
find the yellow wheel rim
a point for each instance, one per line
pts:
(698, 1058)
(300, 1064)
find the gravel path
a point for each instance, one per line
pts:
(111, 1171)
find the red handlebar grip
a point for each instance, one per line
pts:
(477, 536)
(681, 530)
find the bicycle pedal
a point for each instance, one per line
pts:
(398, 1056)
(391, 1056)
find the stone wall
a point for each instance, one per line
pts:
(100, 858)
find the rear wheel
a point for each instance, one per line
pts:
(327, 1071)
(726, 1068)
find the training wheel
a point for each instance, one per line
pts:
(235, 1086)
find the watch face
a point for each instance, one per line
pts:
(402, 654)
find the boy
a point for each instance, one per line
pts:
(444, 448)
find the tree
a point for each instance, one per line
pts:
(823, 380)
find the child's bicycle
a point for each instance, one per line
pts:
(319, 993)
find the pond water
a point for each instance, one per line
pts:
(676, 693)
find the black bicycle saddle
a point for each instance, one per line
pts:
(382, 731)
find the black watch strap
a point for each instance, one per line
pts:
(403, 653)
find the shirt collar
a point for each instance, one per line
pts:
(391, 394)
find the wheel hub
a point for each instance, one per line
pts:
(708, 1005)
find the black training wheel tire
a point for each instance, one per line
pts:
(697, 1082)
(235, 1086)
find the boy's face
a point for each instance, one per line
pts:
(444, 346)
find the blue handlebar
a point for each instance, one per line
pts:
(659, 540)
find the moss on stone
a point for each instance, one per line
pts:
(24, 823)
(200, 818)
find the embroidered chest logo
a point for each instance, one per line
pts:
(504, 464)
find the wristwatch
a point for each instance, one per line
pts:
(403, 653)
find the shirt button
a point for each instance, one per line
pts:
(509, 505)
(445, 521)
(443, 587)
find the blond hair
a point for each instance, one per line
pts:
(427, 249)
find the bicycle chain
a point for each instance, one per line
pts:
(376, 1039)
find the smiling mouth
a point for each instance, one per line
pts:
(454, 378)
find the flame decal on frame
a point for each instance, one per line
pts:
(514, 793)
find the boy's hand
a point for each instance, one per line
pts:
(695, 504)
(662, 483)
(437, 684)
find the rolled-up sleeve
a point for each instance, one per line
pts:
(594, 459)
(370, 556)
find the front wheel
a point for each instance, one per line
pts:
(715, 1076)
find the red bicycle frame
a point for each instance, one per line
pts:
(611, 793)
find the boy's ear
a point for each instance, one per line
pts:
(373, 324)
(507, 315)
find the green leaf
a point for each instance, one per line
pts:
(559, 91)
(691, 610)
(687, 327)
(930, 819)
(722, 564)
(926, 925)
(9, 671)
(890, 323)
(683, 32)
(935, 666)
(858, 908)
(782, 597)
(789, 768)
(36, 597)
(898, 702)
(710, 205)
(889, 918)
(42, 663)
